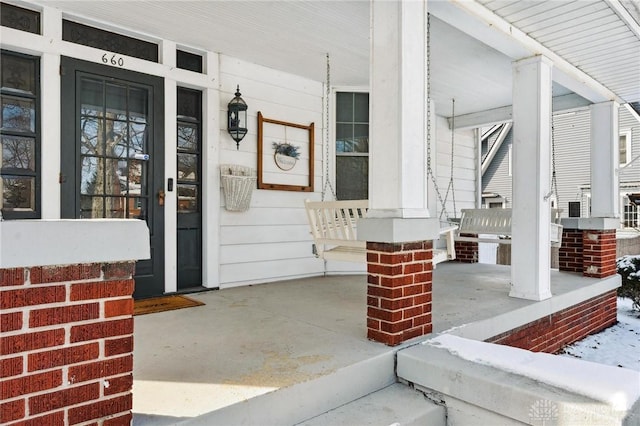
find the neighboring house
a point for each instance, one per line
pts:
(572, 158)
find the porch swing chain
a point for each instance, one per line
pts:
(430, 174)
(554, 180)
(327, 180)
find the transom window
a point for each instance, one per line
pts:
(352, 145)
(20, 136)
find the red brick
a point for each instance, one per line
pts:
(411, 312)
(101, 290)
(124, 270)
(396, 327)
(384, 247)
(395, 304)
(413, 268)
(11, 411)
(381, 269)
(63, 314)
(32, 296)
(119, 385)
(116, 308)
(11, 366)
(64, 356)
(100, 330)
(411, 290)
(373, 324)
(119, 421)
(63, 398)
(397, 281)
(101, 369)
(381, 314)
(121, 346)
(53, 419)
(11, 276)
(10, 322)
(31, 341)
(373, 301)
(386, 338)
(100, 409)
(30, 384)
(56, 274)
(373, 257)
(386, 292)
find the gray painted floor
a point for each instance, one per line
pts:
(249, 341)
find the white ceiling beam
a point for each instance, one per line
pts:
(504, 114)
(624, 14)
(484, 25)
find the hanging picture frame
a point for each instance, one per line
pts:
(285, 155)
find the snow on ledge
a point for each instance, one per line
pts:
(619, 387)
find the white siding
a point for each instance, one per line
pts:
(571, 138)
(464, 168)
(271, 240)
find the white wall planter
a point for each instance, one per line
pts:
(237, 185)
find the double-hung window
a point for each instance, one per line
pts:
(352, 145)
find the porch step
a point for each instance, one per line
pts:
(397, 404)
(303, 401)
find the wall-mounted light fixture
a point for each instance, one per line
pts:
(237, 118)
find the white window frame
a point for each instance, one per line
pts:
(626, 134)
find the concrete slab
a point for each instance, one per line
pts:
(251, 341)
(397, 404)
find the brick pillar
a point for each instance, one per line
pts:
(467, 251)
(599, 253)
(66, 348)
(399, 291)
(570, 253)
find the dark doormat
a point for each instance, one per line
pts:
(164, 303)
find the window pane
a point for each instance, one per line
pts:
(352, 177)
(116, 101)
(18, 114)
(187, 137)
(189, 104)
(344, 106)
(188, 167)
(138, 103)
(91, 207)
(91, 135)
(18, 153)
(361, 108)
(92, 176)
(19, 73)
(136, 177)
(115, 207)
(187, 198)
(92, 96)
(18, 193)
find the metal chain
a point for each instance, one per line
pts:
(430, 173)
(327, 179)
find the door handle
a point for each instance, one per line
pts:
(161, 195)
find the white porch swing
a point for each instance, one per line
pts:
(333, 223)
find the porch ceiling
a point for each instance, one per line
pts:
(599, 39)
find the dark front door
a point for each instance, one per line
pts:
(112, 154)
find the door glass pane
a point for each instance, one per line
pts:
(187, 198)
(18, 153)
(91, 207)
(138, 104)
(115, 207)
(18, 193)
(116, 101)
(188, 167)
(188, 137)
(91, 135)
(137, 139)
(92, 176)
(18, 114)
(91, 97)
(114, 137)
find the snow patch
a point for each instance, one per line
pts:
(618, 387)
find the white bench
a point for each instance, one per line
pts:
(333, 227)
(495, 222)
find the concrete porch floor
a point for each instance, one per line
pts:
(249, 341)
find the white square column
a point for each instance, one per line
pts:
(605, 160)
(531, 214)
(398, 108)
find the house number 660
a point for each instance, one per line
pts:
(114, 60)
